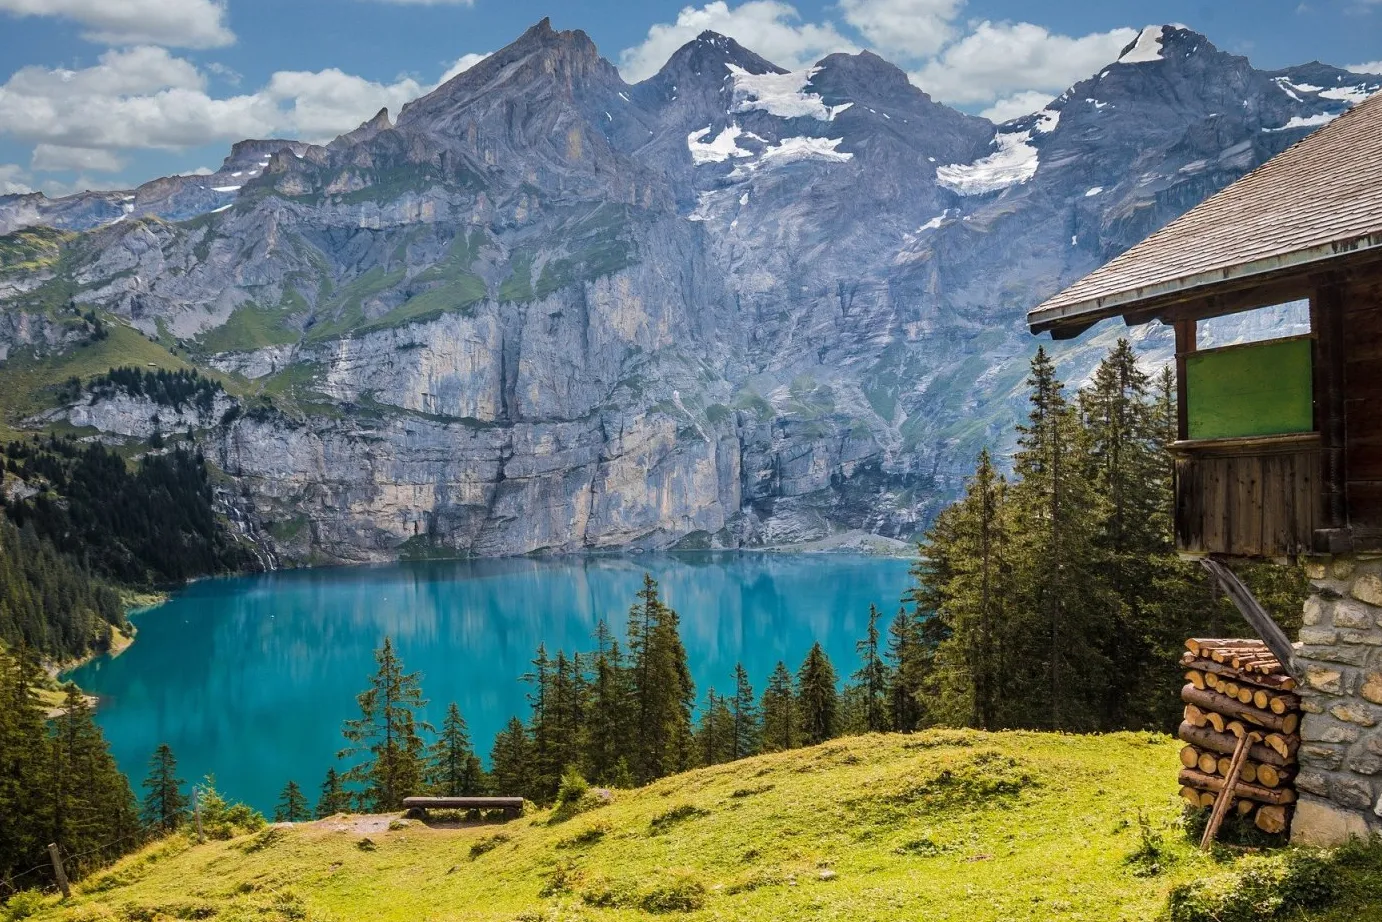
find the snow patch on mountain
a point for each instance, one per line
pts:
(1146, 49)
(1350, 94)
(793, 150)
(723, 146)
(1014, 162)
(783, 95)
(1307, 121)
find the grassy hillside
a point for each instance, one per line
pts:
(948, 825)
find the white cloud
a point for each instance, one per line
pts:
(228, 74)
(914, 28)
(1017, 105)
(52, 157)
(182, 23)
(769, 27)
(1005, 58)
(318, 105)
(144, 97)
(13, 180)
(1371, 67)
(464, 63)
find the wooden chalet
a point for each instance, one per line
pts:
(1278, 456)
(1280, 442)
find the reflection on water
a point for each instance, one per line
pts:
(250, 678)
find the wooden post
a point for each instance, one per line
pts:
(197, 813)
(58, 870)
(1225, 798)
(1326, 323)
(1185, 344)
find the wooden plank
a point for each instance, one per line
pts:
(1189, 513)
(462, 803)
(1185, 345)
(1250, 506)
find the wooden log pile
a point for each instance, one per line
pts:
(1238, 696)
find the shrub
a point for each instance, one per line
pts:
(1260, 888)
(679, 893)
(1151, 856)
(585, 837)
(22, 905)
(224, 820)
(678, 814)
(573, 788)
(487, 844)
(576, 796)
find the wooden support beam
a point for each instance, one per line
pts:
(1185, 344)
(1255, 614)
(1327, 326)
(1235, 769)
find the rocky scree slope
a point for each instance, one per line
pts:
(547, 310)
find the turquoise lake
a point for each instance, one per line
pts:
(250, 678)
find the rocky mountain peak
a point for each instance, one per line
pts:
(1169, 42)
(541, 64)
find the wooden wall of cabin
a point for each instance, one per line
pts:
(1250, 497)
(1361, 303)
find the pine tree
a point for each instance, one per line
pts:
(545, 772)
(387, 734)
(747, 727)
(906, 675)
(334, 797)
(969, 550)
(511, 761)
(608, 726)
(1129, 470)
(1056, 511)
(23, 768)
(292, 805)
(818, 701)
(779, 711)
(715, 733)
(93, 810)
(450, 772)
(662, 691)
(164, 804)
(872, 679)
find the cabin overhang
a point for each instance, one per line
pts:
(1279, 441)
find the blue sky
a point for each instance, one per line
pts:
(110, 93)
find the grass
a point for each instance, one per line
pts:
(944, 825)
(251, 327)
(32, 249)
(26, 382)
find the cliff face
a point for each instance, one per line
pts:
(729, 305)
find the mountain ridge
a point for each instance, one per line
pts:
(731, 305)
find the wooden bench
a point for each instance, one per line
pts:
(512, 806)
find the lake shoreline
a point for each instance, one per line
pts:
(251, 678)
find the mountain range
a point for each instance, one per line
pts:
(547, 310)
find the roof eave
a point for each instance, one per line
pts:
(1080, 315)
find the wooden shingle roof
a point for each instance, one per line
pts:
(1317, 200)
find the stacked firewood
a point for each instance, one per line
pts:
(1237, 689)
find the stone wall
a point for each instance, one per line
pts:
(1340, 649)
